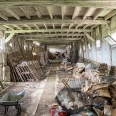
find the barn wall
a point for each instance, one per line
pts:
(106, 53)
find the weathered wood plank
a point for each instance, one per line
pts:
(54, 21)
(49, 30)
(83, 3)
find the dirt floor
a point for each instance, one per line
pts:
(40, 95)
(47, 98)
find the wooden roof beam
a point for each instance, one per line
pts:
(45, 26)
(94, 26)
(3, 28)
(36, 26)
(49, 30)
(109, 15)
(37, 12)
(48, 35)
(50, 11)
(55, 21)
(74, 12)
(86, 13)
(3, 17)
(89, 37)
(28, 26)
(98, 13)
(27, 16)
(109, 4)
(85, 26)
(9, 37)
(12, 13)
(8, 26)
(17, 27)
(62, 11)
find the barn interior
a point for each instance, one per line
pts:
(57, 57)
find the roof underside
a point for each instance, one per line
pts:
(51, 21)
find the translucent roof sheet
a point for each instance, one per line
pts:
(110, 40)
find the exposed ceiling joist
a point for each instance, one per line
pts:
(36, 26)
(9, 37)
(55, 39)
(49, 30)
(55, 21)
(45, 26)
(74, 12)
(70, 26)
(97, 14)
(3, 17)
(86, 13)
(12, 13)
(50, 11)
(53, 26)
(17, 27)
(37, 12)
(82, 3)
(48, 35)
(94, 26)
(2, 27)
(109, 15)
(89, 37)
(8, 26)
(25, 12)
(85, 26)
(62, 11)
(28, 26)
(77, 26)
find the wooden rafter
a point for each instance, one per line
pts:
(98, 13)
(45, 26)
(86, 13)
(89, 37)
(3, 17)
(85, 26)
(62, 11)
(17, 27)
(28, 26)
(37, 12)
(49, 30)
(48, 35)
(74, 12)
(36, 26)
(94, 26)
(8, 26)
(12, 13)
(25, 12)
(82, 3)
(50, 11)
(2, 27)
(109, 15)
(55, 21)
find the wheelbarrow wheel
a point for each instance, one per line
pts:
(19, 109)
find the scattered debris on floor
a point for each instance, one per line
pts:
(87, 91)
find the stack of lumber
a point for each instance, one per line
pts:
(103, 69)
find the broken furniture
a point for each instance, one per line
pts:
(12, 99)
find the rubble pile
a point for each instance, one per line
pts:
(86, 93)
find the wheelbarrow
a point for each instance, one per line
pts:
(12, 99)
